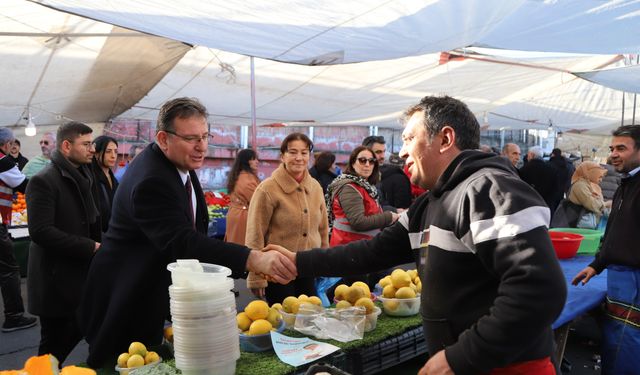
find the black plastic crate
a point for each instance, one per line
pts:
(337, 360)
(387, 353)
(323, 367)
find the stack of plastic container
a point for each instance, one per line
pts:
(203, 310)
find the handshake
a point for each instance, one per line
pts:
(274, 263)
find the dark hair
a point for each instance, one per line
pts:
(295, 137)
(240, 164)
(135, 149)
(370, 140)
(556, 152)
(324, 161)
(441, 111)
(375, 175)
(17, 141)
(632, 131)
(179, 108)
(101, 144)
(70, 131)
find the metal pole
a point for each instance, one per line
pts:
(622, 120)
(633, 118)
(254, 144)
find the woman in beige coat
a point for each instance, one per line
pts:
(242, 182)
(586, 192)
(287, 209)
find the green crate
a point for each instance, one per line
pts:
(591, 242)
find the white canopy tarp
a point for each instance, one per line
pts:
(338, 31)
(57, 66)
(624, 78)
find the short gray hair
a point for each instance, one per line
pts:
(6, 136)
(536, 151)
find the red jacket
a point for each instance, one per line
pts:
(342, 232)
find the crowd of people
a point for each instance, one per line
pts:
(492, 285)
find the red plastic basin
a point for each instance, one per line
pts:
(565, 244)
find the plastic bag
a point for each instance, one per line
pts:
(341, 325)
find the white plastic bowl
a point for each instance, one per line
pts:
(131, 371)
(400, 306)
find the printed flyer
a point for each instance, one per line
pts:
(297, 351)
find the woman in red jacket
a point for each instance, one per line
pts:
(352, 204)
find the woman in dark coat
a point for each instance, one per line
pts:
(104, 160)
(322, 169)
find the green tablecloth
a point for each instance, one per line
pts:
(268, 363)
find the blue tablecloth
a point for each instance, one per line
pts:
(580, 298)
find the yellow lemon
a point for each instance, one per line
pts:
(364, 286)
(277, 306)
(416, 280)
(353, 294)
(419, 287)
(340, 291)
(405, 292)
(260, 327)
(303, 298)
(122, 360)
(385, 281)
(274, 317)
(257, 310)
(151, 357)
(243, 321)
(168, 333)
(342, 305)
(291, 305)
(315, 300)
(389, 291)
(137, 348)
(135, 360)
(391, 305)
(365, 302)
(400, 278)
(412, 273)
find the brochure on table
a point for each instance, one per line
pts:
(297, 351)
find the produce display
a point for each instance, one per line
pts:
(19, 210)
(136, 357)
(47, 364)
(258, 319)
(291, 306)
(401, 293)
(217, 206)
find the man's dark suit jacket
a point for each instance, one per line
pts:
(127, 298)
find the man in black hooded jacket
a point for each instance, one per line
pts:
(492, 285)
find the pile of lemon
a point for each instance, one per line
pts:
(258, 318)
(401, 284)
(137, 356)
(358, 294)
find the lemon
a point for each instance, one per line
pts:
(291, 305)
(340, 291)
(342, 305)
(315, 300)
(364, 286)
(365, 302)
(405, 292)
(412, 273)
(389, 291)
(303, 298)
(399, 278)
(151, 357)
(168, 333)
(353, 294)
(385, 281)
(391, 305)
(419, 287)
(122, 360)
(277, 306)
(274, 317)
(260, 327)
(416, 280)
(257, 310)
(243, 321)
(135, 360)
(137, 348)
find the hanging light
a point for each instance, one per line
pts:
(30, 129)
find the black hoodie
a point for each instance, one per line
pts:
(491, 283)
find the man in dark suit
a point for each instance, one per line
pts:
(64, 226)
(155, 221)
(541, 176)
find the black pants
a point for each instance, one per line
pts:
(58, 336)
(9, 277)
(275, 293)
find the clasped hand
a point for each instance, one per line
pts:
(274, 263)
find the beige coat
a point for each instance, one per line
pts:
(287, 213)
(239, 207)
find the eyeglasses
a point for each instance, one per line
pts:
(364, 161)
(193, 139)
(43, 142)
